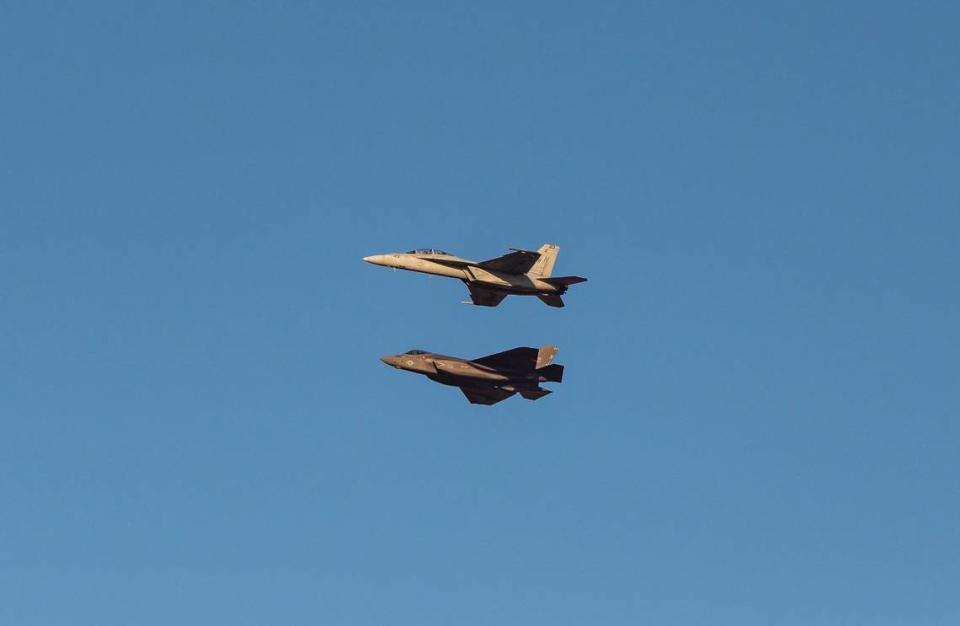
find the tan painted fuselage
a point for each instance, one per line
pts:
(467, 271)
(453, 371)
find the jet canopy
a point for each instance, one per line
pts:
(427, 251)
(416, 352)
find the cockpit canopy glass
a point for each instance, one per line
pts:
(427, 251)
(415, 352)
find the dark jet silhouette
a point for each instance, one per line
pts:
(489, 379)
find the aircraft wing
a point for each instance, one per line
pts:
(485, 395)
(485, 297)
(516, 262)
(516, 359)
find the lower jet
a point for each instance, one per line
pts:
(521, 272)
(489, 379)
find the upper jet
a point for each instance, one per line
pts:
(520, 273)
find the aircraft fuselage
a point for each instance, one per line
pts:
(467, 271)
(490, 378)
(457, 372)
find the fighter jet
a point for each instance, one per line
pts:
(521, 272)
(489, 379)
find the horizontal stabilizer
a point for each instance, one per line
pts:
(552, 373)
(534, 394)
(563, 281)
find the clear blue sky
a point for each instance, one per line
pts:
(759, 420)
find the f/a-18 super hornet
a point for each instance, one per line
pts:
(489, 379)
(521, 272)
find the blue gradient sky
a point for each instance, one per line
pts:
(759, 422)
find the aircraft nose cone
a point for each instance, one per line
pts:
(376, 259)
(389, 360)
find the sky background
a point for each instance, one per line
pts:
(759, 419)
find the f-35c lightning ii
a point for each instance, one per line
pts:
(521, 272)
(489, 379)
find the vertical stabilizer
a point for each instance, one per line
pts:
(546, 355)
(551, 300)
(543, 268)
